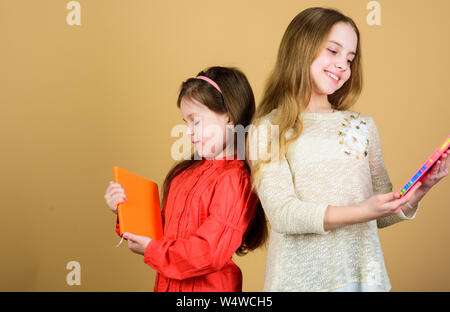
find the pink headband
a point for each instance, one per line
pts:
(210, 82)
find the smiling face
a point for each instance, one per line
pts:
(208, 129)
(331, 68)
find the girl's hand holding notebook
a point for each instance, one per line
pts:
(137, 243)
(115, 195)
(140, 216)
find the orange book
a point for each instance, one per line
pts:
(141, 213)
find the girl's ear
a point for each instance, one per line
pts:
(229, 120)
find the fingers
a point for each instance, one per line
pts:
(388, 197)
(439, 170)
(111, 184)
(132, 239)
(445, 162)
(400, 202)
(118, 197)
(115, 195)
(114, 189)
(393, 202)
(116, 200)
(405, 199)
(434, 171)
(127, 235)
(411, 192)
(442, 166)
(448, 159)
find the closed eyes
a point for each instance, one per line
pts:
(335, 52)
(332, 51)
(195, 122)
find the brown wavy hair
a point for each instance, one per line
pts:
(237, 100)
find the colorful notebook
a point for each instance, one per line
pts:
(141, 213)
(425, 166)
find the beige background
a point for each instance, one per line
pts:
(77, 100)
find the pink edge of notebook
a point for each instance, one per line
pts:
(425, 167)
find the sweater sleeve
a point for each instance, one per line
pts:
(287, 214)
(380, 179)
(210, 247)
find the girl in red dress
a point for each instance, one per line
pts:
(209, 210)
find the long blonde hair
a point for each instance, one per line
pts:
(289, 87)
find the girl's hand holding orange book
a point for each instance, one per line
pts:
(137, 243)
(114, 195)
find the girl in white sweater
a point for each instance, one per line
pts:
(327, 190)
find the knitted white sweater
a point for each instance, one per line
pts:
(336, 161)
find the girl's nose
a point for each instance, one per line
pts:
(189, 131)
(341, 65)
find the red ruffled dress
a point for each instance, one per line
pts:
(207, 211)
